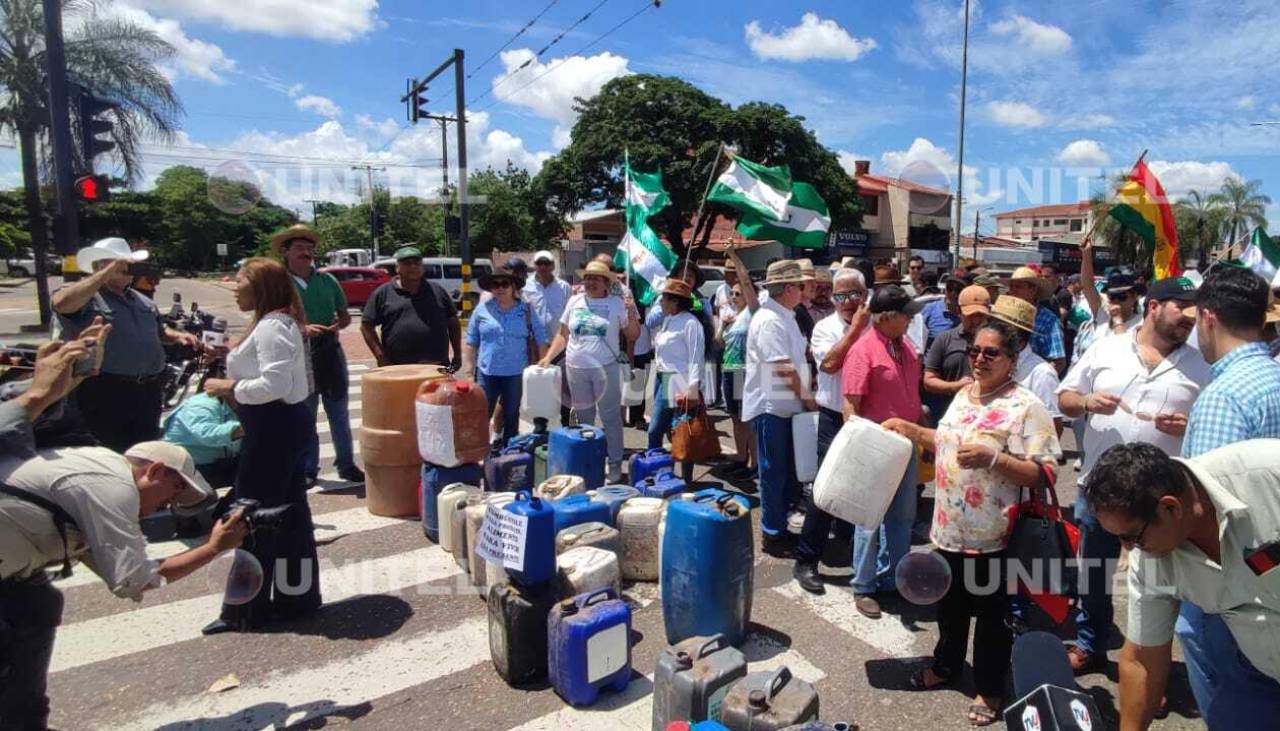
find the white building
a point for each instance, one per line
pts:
(1062, 222)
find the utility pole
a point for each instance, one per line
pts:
(444, 170)
(374, 228)
(66, 225)
(415, 102)
(314, 215)
(964, 87)
(977, 215)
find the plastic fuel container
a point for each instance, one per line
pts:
(589, 646)
(578, 450)
(769, 701)
(707, 562)
(434, 481)
(692, 679)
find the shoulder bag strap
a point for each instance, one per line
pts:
(61, 519)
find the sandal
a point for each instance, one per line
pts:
(982, 715)
(918, 681)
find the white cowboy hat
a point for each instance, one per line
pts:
(108, 249)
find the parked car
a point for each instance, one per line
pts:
(25, 266)
(446, 271)
(358, 283)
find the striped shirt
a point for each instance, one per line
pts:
(1242, 402)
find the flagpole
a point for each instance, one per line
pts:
(626, 201)
(697, 221)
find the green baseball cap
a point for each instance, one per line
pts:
(408, 252)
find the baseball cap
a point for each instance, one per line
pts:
(975, 299)
(1180, 289)
(544, 255)
(179, 460)
(893, 298)
(1119, 281)
(517, 265)
(408, 252)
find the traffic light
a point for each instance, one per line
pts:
(91, 108)
(376, 223)
(92, 188)
(415, 102)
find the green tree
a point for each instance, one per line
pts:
(1242, 207)
(411, 220)
(505, 220)
(110, 57)
(1198, 220)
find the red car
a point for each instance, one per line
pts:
(358, 283)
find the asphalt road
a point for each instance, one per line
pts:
(402, 641)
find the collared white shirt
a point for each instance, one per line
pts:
(548, 301)
(1038, 376)
(680, 349)
(826, 334)
(271, 363)
(1242, 481)
(1112, 365)
(724, 302)
(773, 337)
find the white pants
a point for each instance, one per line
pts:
(593, 390)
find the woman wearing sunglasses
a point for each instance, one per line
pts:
(503, 336)
(989, 444)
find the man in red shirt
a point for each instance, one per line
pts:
(882, 381)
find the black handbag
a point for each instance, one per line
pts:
(1042, 548)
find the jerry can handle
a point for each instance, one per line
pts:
(716, 642)
(724, 501)
(777, 682)
(607, 592)
(525, 495)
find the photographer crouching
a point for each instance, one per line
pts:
(58, 506)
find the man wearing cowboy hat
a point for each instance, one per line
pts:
(122, 405)
(418, 319)
(325, 305)
(1046, 336)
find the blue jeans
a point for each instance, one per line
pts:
(508, 389)
(1231, 692)
(664, 411)
(779, 489)
(339, 428)
(1099, 550)
(877, 551)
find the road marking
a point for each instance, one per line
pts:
(328, 527)
(837, 607)
(157, 626)
(288, 698)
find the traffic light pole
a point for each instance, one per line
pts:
(66, 225)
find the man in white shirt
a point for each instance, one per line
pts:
(546, 293)
(1205, 530)
(775, 389)
(1135, 387)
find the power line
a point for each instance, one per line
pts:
(512, 39)
(646, 6)
(541, 51)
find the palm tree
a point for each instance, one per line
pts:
(109, 57)
(1200, 220)
(1242, 206)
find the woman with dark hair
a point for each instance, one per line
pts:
(994, 439)
(680, 352)
(267, 375)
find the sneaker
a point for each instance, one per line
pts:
(351, 474)
(615, 473)
(795, 521)
(806, 574)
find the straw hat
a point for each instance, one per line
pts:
(296, 231)
(885, 274)
(784, 272)
(1027, 274)
(806, 269)
(678, 288)
(1015, 311)
(596, 269)
(822, 275)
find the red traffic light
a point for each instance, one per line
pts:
(92, 188)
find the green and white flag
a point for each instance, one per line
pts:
(754, 188)
(1262, 255)
(647, 260)
(804, 226)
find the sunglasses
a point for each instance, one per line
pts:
(842, 297)
(544, 263)
(501, 284)
(989, 353)
(1120, 296)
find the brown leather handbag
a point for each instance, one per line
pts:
(693, 436)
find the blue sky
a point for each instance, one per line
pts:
(1058, 92)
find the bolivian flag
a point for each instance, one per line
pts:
(1142, 207)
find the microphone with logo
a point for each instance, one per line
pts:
(1048, 699)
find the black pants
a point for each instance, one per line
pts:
(119, 411)
(980, 593)
(271, 472)
(635, 414)
(30, 612)
(817, 524)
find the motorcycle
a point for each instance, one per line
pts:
(185, 365)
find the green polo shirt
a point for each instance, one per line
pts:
(322, 298)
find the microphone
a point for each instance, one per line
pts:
(1048, 697)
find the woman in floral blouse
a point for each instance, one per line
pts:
(991, 441)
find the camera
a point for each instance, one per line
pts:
(257, 516)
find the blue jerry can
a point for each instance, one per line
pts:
(663, 485)
(572, 510)
(527, 442)
(578, 450)
(589, 646)
(434, 479)
(707, 562)
(649, 462)
(510, 470)
(539, 542)
(614, 496)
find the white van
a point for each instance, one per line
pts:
(446, 271)
(348, 258)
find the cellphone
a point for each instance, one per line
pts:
(84, 366)
(1264, 558)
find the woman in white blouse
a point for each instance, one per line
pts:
(679, 348)
(268, 378)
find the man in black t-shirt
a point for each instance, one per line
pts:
(418, 319)
(946, 365)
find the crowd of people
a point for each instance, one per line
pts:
(1165, 385)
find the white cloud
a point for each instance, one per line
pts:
(323, 106)
(1088, 121)
(813, 39)
(924, 162)
(922, 150)
(386, 128)
(1084, 153)
(1183, 176)
(551, 97)
(1246, 102)
(193, 57)
(1015, 114)
(327, 20)
(1046, 40)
